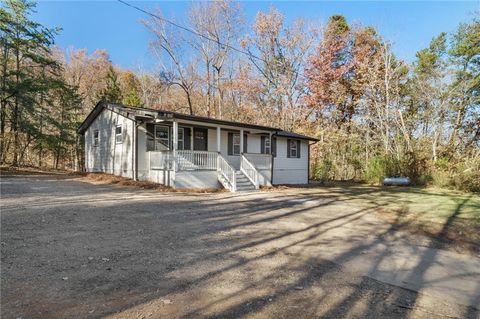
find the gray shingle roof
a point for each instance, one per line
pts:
(140, 112)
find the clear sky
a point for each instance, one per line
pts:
(110, 25)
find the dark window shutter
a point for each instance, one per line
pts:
(150, 136)
(187, 134)
(262, 144)
(230, 143)
(245, 143)
(288, 148)
(298, 148)
(274, 146)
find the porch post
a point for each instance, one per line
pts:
(175, 143)
(241, 141)
(219, 140)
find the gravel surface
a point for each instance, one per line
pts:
(72, 249)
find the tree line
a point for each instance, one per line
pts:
(375, 114)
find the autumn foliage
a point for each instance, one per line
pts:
(375, 115)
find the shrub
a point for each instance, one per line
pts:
(375, 170)
(467, 178)
(325, 170)
(440, 178)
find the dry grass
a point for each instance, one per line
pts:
(117, 180)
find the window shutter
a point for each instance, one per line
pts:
(288, 148)
(245, 143)
(150, 136)
(274, 146)
(230, 143)
(187, 134)
(262, 144)
(298, 148)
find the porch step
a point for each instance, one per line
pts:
(243, 183)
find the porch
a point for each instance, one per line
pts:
(254, 169)
(185, 149)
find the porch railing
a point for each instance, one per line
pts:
(226, 174)
(260, 161)
(249, 171)
(196, 160)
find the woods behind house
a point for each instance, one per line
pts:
(375, 114)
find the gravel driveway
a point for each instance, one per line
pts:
(72, 249)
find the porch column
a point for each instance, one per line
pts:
(175, 143)
(241, 141)
(219, 140)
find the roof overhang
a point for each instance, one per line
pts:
(140, 114)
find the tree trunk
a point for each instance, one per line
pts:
(16, 141)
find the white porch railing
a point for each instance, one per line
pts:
(260, 161)
(196, 160)
(249, 171)
(160, 159)
(226, 174)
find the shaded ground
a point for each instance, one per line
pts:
(71, 249)
(451, 218)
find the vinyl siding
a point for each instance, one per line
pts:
(290, 170)
(109, 156)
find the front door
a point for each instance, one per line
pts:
(200, 137)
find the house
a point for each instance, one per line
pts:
(186, 151)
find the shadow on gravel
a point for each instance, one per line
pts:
(225, 256)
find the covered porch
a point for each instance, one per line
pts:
(235, 155)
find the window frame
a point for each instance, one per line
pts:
(157, 139)
(236, 144)
(293, 143)
(267, 149)
(180, 129)
(118, 136)
(96, 139)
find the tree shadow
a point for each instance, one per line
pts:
(272, 255)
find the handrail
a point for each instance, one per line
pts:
(226, 173)
(249, 171)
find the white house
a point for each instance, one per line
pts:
(186, 151)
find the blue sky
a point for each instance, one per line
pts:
(110, 25)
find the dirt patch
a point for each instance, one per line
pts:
(102, 178)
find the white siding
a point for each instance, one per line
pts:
(143, 165)
(117, 158)
(109, 156)
(290, 170)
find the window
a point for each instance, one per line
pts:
(236, 144)
(267, 145)
(118, 134)
(181, 139)
(96, 137)
(162, 134)
(293, 148)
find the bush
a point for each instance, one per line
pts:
(325, 170)
(379, 167)
(467, 178)
(440, 178)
